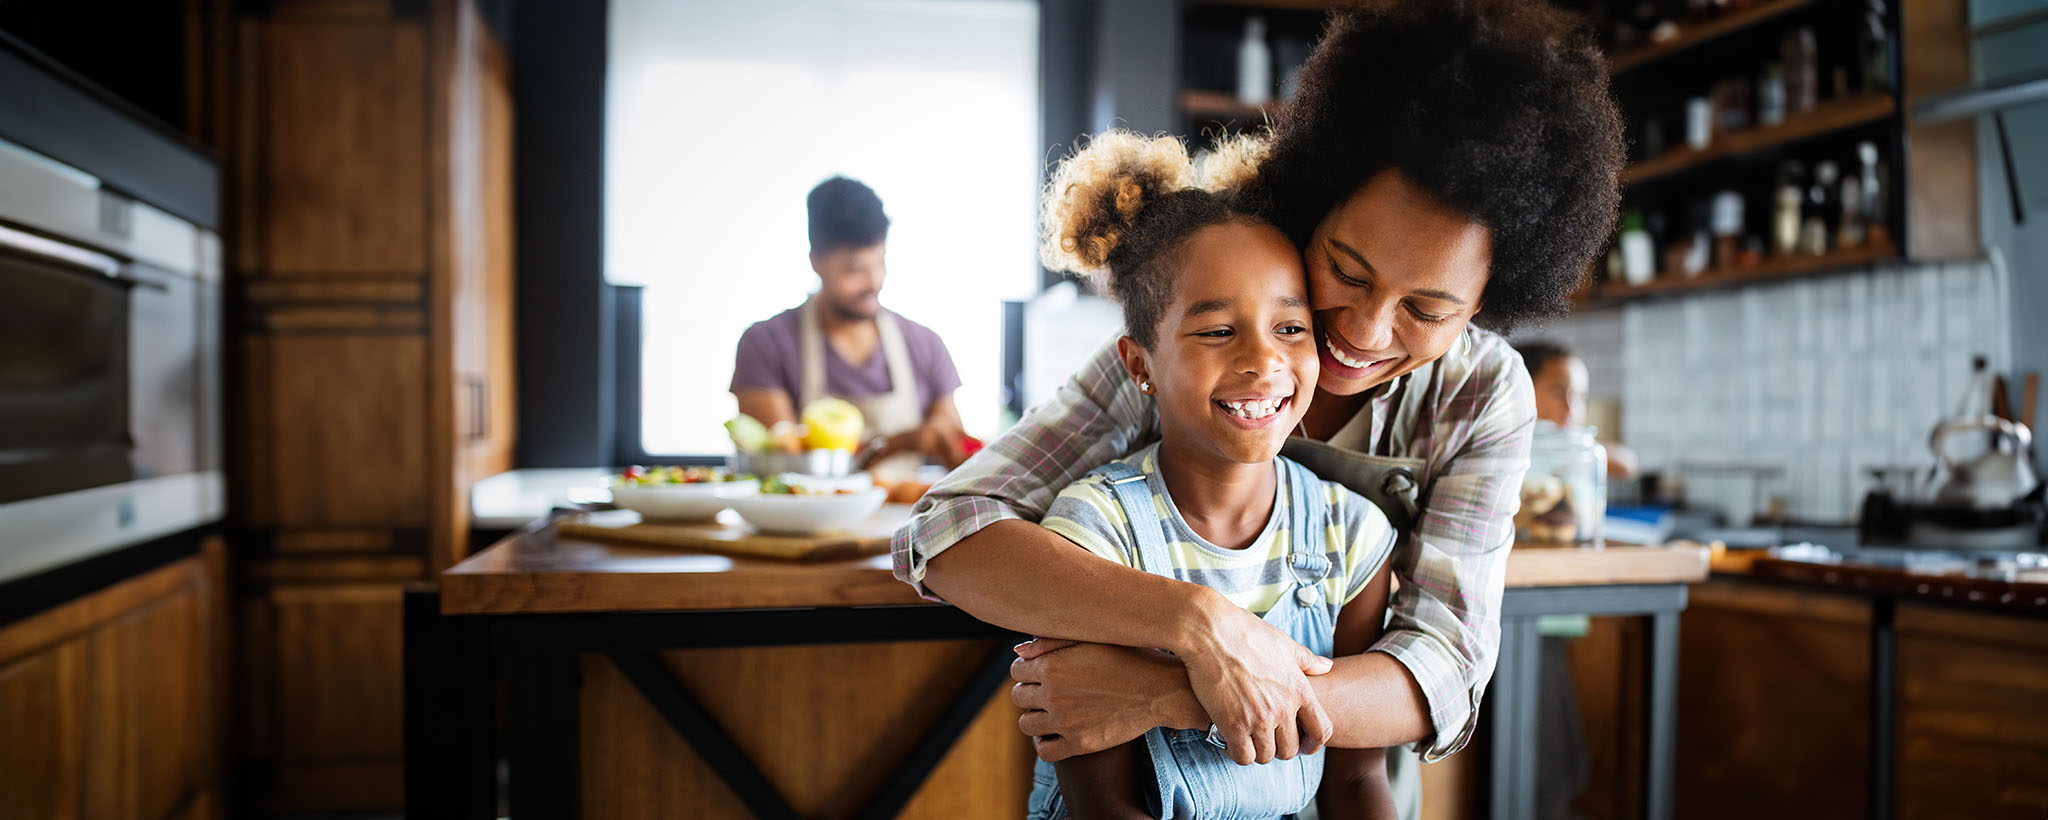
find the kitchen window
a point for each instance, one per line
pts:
(722, 116)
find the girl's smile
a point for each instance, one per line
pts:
(1234, 358)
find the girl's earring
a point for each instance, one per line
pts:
(1145, 388)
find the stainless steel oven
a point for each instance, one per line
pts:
(109, 367)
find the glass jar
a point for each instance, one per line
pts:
(1564, 494)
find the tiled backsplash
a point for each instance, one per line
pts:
(1819, 378)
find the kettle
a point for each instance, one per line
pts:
(1998, 479)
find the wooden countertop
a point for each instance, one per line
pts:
(537, 571)
(1531, 565)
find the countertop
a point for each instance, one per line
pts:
(511, 500)
(537, 571)
(2006, 582)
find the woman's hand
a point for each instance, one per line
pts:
(1082, 698)
(1251, 679)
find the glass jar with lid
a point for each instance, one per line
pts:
(1564, 494)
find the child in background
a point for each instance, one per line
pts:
(1559, 377)
(1218, 334)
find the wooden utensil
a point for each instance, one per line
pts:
(2028, 392)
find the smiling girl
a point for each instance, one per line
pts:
(1217, 323)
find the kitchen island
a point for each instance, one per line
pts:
(649, 683)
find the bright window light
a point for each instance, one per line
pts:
(722, 116)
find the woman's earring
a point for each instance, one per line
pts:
(1145, 388)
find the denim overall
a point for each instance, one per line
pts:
(1192, 776)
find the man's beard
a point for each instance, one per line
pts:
(852, 314)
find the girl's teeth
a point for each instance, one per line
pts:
(1253, 409)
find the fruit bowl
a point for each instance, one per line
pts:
(682, 501)
(808, 514)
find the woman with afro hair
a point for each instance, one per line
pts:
(1448, 171)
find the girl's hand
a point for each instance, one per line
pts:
(1251, 679)
(1082, 698)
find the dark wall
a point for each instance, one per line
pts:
(134, 49)
(564, 313)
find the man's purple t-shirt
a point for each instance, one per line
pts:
(770, 356)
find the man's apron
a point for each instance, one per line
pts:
(886, 414)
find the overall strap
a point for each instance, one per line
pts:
(1134, 494)
(1308, 559)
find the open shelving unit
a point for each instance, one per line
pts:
(1827, 118)
(1704, 33)
(1770, 269)
(1654, 80)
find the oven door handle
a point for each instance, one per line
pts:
(70, 256)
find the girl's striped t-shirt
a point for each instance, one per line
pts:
(1358, 538)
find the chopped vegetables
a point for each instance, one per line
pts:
(674, 474)
(776, 486)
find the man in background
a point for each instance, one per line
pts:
(841, 342)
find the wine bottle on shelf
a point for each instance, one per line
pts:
(1874, 46)
(1850, 234)
(1875, 206)
(1770, 95)
(1801, 58)
(1823, 208)
(1254, 64)
(1785, 222)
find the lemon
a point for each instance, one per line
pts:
(832, 424)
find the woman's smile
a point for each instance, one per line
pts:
(1346, 361)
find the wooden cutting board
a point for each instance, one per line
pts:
(731, 536)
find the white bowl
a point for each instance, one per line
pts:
(682, 501)
(807, 514)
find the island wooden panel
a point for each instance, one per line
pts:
(1972, 715)
(825, 725)
(1773, 704)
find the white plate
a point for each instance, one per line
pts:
(682, 501)
(807, 514)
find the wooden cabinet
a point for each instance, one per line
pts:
(1972, 715)
(1773, 703)
(369, 165)
(110, 702)
(1776, 719)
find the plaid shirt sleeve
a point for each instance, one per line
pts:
(1097, 416)
(1445, 625)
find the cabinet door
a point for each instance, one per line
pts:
(1972, 715)
(148, 716)
(478, 200)
(324, 711)
(107, 704)
(1773, 704)
(335, 431)
(42, 763)
(337, 105)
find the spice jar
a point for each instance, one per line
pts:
(1564, 494)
